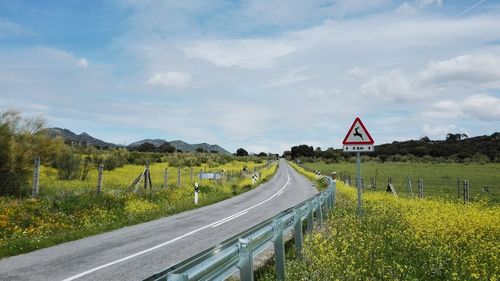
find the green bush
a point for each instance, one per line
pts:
(21, 139)
(69, 165)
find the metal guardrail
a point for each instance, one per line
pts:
(238, 252)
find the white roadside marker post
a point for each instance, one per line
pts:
(196, 190)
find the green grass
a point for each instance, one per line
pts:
(440, 179)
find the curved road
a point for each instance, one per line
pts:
(138, 251)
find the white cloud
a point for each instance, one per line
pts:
(83, 63)
(357, 72)
(483, 107)
(171, 78)
(346, 7)
(423, 3)
(247, 53)
(437, 131)
(10, 29)
(322, 96)
(406, 8)
(444, 110)
(478, 71)
(392, 86)
(291, 77)
(467, 68)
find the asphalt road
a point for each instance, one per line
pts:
(138, 251)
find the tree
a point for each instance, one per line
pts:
(456, 137)
(21, 139)
(317, 152)
(425, 139)
(166, 147)
(146, 147)
(201, 150)
(241, 152)
(302, 150)
(262, 154)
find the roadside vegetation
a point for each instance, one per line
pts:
(68, 206)
(401, 239)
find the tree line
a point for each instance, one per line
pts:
(457, 147)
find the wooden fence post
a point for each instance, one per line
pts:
(466, 191)
(99, 178)
(36, 177)
(420, 188)
(146, 175)
(191, 174)
(179, 177)
(410, 188)
(165, 178)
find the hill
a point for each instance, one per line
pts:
(86, 139)
(82, 139)
(182, 145)
(155, 142)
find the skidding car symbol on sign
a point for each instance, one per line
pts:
(358, 139)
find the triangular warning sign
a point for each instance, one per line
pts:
(358, 134)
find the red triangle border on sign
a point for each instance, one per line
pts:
(364, 128)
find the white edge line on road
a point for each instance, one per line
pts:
(214, 224)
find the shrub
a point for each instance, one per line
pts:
(21, 139)
(69, 166)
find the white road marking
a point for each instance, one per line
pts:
(230, 218)
(214, 224)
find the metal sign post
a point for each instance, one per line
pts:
(358, 140)
(358, 181)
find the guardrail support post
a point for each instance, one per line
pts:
(334, 193)
(279, 249)
(320, 210)
(310, 210)
(177, 277)
(297, 221)
(246, 260)
(328, 198)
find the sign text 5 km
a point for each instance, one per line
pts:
(358, 138)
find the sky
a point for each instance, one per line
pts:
(263, 75)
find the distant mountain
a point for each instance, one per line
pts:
(156, 142)
(82, 138)
(181, 145)
(86, 139)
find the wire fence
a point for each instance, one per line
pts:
(449, 180)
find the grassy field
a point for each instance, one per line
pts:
(439, 179)
(400, 238)
(120, 178)
(68, 210)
